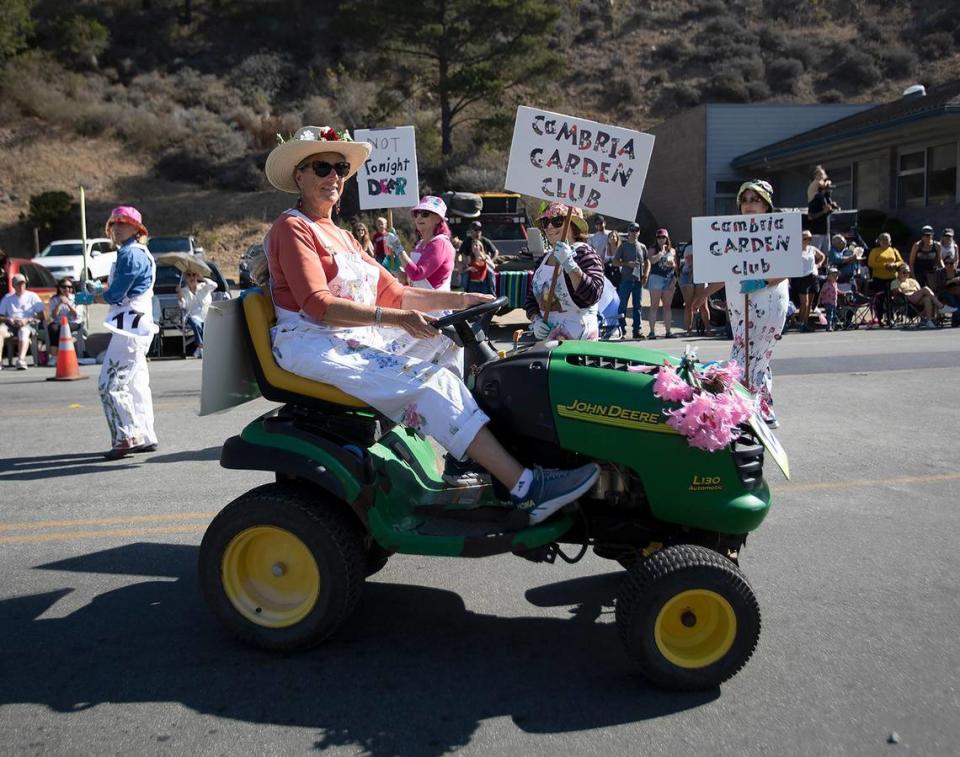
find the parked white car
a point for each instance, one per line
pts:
(64, 257)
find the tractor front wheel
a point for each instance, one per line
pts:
(687, 617)
(280, 568)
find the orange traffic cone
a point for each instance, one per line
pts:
(68, 369)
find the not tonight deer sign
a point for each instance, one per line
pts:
(578, 162)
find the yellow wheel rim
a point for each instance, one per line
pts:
(270, 576)
(695, 628)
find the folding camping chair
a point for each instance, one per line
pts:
(853, 308)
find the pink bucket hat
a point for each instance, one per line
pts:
(126, 214)
(433, 204)
(559, 209)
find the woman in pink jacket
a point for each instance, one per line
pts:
(430, 265)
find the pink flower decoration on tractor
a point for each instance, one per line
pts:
(669, 387)
(711, 413)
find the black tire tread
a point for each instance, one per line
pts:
(341, 531)
(659, 566)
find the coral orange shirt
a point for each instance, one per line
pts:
(300, 267)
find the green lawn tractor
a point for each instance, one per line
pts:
(283, 565)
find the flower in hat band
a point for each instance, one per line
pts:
(310, 140)
(761, 187)
(552, 209)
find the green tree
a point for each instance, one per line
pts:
(81, 39)
(464, 51)
(54, 213)
(16, 26)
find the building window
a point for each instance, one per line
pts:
(842, 180)
(911, 170)
(942, 175)
(725, 198)
(927, 177)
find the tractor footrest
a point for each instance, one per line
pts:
(470, 522)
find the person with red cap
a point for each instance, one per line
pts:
(124, 380)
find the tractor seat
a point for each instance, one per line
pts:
(275, 383)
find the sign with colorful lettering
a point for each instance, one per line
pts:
(389, 177)
(735, 248)
(578, 162)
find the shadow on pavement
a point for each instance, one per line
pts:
(56, 466)
(209, 453)
(413, 672)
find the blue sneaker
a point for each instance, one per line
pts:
(552, 489)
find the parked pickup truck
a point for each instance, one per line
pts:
(183, 243)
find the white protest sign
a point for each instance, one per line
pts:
(389, 177)
(578, 162)
(735, 248)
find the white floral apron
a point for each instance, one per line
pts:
(566, 319)
(373, 363)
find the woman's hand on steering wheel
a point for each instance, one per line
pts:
(416, 324)
(475, 298)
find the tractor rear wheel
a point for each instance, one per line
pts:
(687, 617)
(280, 569)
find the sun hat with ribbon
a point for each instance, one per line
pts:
(761, 187)
(310, 140)
(126, 214)
(549, 210)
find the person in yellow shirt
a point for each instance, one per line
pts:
(883, 262)
(920, 297)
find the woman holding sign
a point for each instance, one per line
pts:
(124, 380)
(565, 307)
(333, 303)
(753, 341)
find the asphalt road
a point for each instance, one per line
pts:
(106, 646)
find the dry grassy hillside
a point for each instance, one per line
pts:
(178, 122)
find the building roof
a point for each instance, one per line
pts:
(937, 102)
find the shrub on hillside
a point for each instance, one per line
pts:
(727, 86)
(204, 134)
(783, 75)
(261, 131)
(618, 91)
(832, 96)
(706, 9)
(181, 165)
(268, 72)
(899, 62)
(676, 96)
(936, 45)
(672, 52)
(856, 68)
(242, 175)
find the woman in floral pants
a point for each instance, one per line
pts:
(768, 311)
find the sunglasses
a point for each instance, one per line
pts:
(66, 288)
(751, 198)
(556, 222)
(423, 213)
(322, 168)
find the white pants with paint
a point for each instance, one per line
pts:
(422, 391)
(125, 391)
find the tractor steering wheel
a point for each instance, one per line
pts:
(459, 322)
